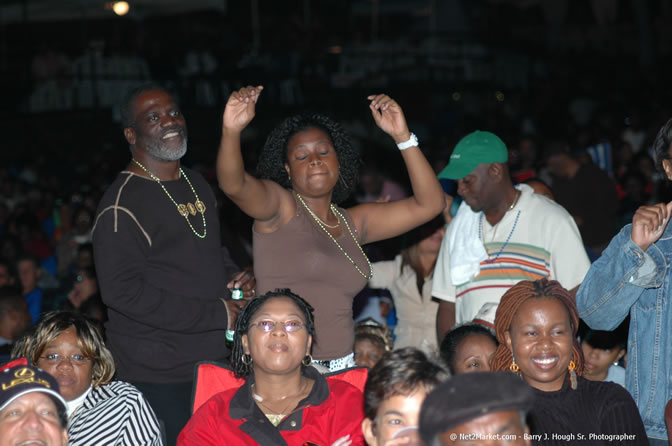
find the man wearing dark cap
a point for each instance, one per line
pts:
(31, 409)
(477, 409)
(501, 235)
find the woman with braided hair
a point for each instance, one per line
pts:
(536, 325)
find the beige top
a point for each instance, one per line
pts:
(301, 257)
(416, 314)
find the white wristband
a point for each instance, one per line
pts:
(412, 142)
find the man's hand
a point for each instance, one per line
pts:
(246, 281)
(240, 108)
(389, 117)
(233, 308)
(649, 223)
(75, 298)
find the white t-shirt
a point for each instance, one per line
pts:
(543, 241)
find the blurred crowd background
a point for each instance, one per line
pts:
(590, 76)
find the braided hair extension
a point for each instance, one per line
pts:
(511, 302)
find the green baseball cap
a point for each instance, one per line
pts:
(474, 149)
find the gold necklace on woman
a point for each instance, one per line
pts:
(182, 209)
(274, 416)
(338, 214)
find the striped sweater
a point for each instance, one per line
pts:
(114, 414)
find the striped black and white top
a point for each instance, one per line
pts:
(114, 414)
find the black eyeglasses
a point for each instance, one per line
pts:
(268, 326)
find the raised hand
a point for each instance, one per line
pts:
(649, 223)
(240, 108)
(389, 117)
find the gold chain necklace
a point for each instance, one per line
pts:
(338, 222)
(182, 209)
(321, 225)
(274, 416)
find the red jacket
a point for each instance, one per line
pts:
(333, 409)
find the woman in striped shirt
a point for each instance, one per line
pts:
(100, 411)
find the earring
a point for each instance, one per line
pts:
(514, 367)
(246, 359)
(573, 380)
(307, 360)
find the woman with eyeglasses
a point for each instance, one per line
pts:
(280, 399)
(100, 411)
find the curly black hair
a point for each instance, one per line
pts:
(273, 156)
(241, 369)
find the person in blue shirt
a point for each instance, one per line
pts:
(28, 267)
(633, 277)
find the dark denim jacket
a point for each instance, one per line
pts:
(628, 280)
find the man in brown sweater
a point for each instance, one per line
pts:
(161, 267)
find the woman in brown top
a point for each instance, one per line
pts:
(302, 240)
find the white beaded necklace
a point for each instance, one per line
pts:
(338, 214)
(182, 209)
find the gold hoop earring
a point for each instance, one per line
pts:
(514, 367)
(307, 360)
(246, 359)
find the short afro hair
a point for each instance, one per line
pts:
(274, 153)
(128, 104)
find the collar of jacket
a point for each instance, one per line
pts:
(255, 422)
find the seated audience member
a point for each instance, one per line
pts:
(468, 348)
(14, 319)
(94, 309)
(409, 279)
(372, 341)
(540, 187)
(100, 411)
(28, 269)
(602, 350)
(6, 274)
(394, 392)
(283, 400)
(31, 409)
(475, 408)
(85, 296)
(536, 325)
(67, 248)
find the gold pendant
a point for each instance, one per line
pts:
(200, 206)
(192, 208)
(182, 209)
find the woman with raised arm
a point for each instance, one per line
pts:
(302, 239)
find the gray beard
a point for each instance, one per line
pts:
(162, 153)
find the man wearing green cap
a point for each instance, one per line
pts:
(501, 235)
